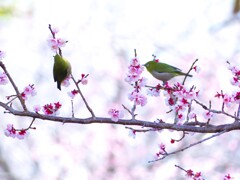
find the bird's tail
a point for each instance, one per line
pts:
(59, 85)
(189, 75)
(185, 74)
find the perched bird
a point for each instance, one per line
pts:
(61, 70)
(162, 71)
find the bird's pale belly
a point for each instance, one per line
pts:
(162, 76)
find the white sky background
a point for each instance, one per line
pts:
(102, 36)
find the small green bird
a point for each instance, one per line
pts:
(162, 71)
(61, 70)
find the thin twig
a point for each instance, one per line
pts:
(215, 111)
(14, 86)
(83, 98)
(178, 140)
(29, 127)
(143, 130)
(72, 108)
(127, 109)
(133, 111)
(185, 78)
(187, 147)
(180, 168)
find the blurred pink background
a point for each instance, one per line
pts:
(102, 37)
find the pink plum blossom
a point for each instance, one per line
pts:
(73, 93)
(115, 114)
(55, 44)
(3, 79)
(132, 133)
(36, 108)
(208, 115)
(52, 108)
(12, 132)
(137, 98)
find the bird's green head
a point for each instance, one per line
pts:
(151, 65)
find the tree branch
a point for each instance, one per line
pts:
(124, 122)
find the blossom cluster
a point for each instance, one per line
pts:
(162, 150)
(56, 43)
(28, 90)
(66, 81)
(115, 114)
(10, 131)
(198, 175)
(3, 76)
(236, 75)
(229, 99)
(83, 79)
(132, 133)
(3, 79)
(133, 78)
(73, 93)
(194, 176)
(155, 91)
(52, 108)
(179, 99)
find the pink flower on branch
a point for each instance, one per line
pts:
(236, 97)
(66, 81)
(208, 115)
(73, 93)
(229, 99)
(52, 108)
(22, 134)
(55, 44)
(154, 91)
(37, 108)
(192, 115)
(134, 71)
(132, 78)
(132, 133)
(24, 96)
(115, 114)
(12, 132)
(235, 81)
(29, 90)
(3, 79)
(194, 176)
(84, 79)
(196, 69)
(137, 98)
(227, 177)
(198, 176)
(161, 152)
